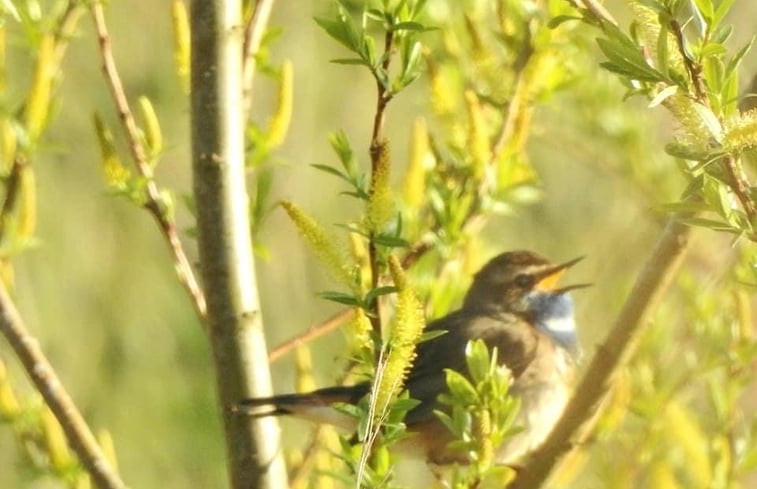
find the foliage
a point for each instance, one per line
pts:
(482, 416)
(512, 100)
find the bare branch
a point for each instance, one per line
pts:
(653, 280)
(740, 186)
(253, 36)
(154, 201)
(313, 332)
(49, 385)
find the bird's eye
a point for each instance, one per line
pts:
(522, 280)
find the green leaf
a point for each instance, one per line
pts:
(332, 171)
(721, 11)
(710, 120)
(408, 26)
(461, 390)
(341, 298)
(350, 61)
(431, 334)
(377, 292)
(342, 29)
(709, 224)
(477, 359)
(662, 49)
(391, 241)
(706, 8)
(664, 94)
(555, 22)
(625, 59)
(733, 64)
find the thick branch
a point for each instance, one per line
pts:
(154, 201)
(225, 245)
(57, 399)
(653, 280)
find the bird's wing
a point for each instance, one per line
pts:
(513, 338)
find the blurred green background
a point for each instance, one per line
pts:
(99, 291)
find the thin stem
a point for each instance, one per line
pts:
(154, 201)
(313, 332)
(253, 36)
(694, 69)
(659, 270)
(57, 399)
(596, 9)
(383, 97)
(740, 186)
(12, 184)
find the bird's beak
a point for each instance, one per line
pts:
(546, 280)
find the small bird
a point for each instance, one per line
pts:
(513, 304)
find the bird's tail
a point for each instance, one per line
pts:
(314, 405)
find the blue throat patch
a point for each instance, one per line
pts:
(554, 315)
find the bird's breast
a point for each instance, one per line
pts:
(544, 391)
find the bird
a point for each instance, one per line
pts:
(513, 304)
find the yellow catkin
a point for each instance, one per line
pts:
(282, 116)
(740, 131)
(27, 205)
(692, 132)
(2, 59)
(662, 477)
(478, 140)
(684, 431)
(381, 204)
(55, 441)
(9, 405)
(152, 132)
(38, 103)
(303, 372)
(360, 255)
(323, 245)
(648, 23)
(181, 43)
(617, 407)
(442, 89)
(105, 439)
(744, 313)
(8, 142)
(408, 326)
(116, 174)
(421, 160)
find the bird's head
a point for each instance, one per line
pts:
(526, 284)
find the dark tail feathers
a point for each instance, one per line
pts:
(289, 403)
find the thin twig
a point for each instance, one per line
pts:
(57, 399)
(154, 201)
(12, 184)
(253, 36)
(596, 9)
(653, 280)
(377, 147)
(740, 186)
(694, 69)
(313, 332)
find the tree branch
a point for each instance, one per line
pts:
(654, 278)
(225, 245)
(253, 36)
(154, 201)
(57, 399)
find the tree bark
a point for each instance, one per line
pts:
(225, 247)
